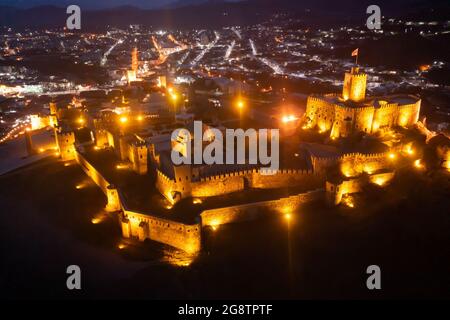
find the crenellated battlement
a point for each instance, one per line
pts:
(359, 76)
(164, 177)
(362, 155)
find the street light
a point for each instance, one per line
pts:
(174, 97)
(240, 103)
(123, 119)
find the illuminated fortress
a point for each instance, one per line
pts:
(325, 172)
(352, 112)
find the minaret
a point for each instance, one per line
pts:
(134, 60)
(354, 85)
(132, 73)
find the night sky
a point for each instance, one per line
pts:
(93, 4)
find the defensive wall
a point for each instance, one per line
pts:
(183, 236)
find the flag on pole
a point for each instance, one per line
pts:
(355, 52)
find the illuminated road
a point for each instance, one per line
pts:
(271, 64)
(105, 56)
(183, 59)
(237, 33)
(252, 45)
(206, 50)
(229, 50)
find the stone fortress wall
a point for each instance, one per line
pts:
(335, 191)
(142, 226)
(185, 184)
(135, 152)
(183, 236)
(342, 121)
(351, 112)
(250, 211)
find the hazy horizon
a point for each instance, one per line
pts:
(99, 4)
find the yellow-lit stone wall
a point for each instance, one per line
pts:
(356, 163)
(384, 117)
(215, 186)
(232, 182)
(111, 193)
(285, 178)
(165, 185)
(176, 234)
(364, 119)
(250, 211)
(352, 164)
(335, 191)
(443, 153)
(110, 137)
(142, 226)
(381, 179)
(320, 112)
(342, 122)
(408, 114)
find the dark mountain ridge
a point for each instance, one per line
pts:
(214, 14)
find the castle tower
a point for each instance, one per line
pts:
(53, 117)
(183, 174)
(139, 158)
(354, 85)
(112, 196)
(53, 108)
(65, 141)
